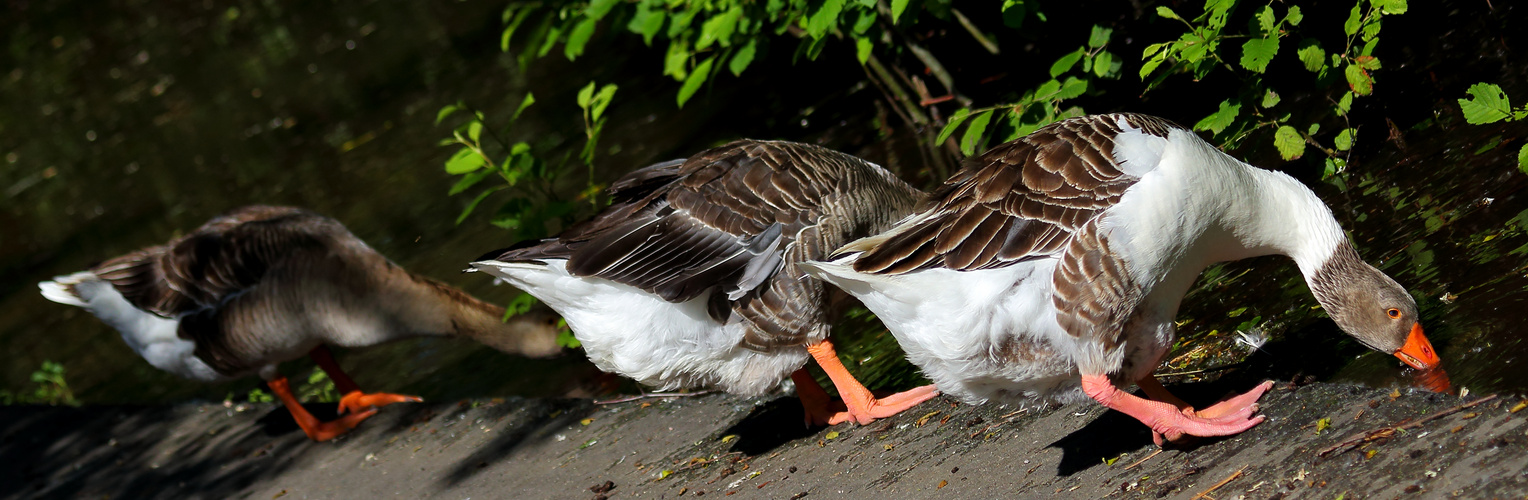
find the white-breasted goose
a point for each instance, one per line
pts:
(1067, 252)
(689, 278)
(261, 285)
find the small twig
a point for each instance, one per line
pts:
(1143, 460)
(1386, 432)
(646, 395)
(1206, 370)
(1233, 476)
(975, 33)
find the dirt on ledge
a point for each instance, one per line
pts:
(718, 445)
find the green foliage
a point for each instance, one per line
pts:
(259, 396)
(1204, 49)
(318, 388)
(565, 336)
(51, 388)
(1489, 104)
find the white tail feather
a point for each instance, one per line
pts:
(61, 289)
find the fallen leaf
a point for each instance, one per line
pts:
(279, 495)
(1471, 415)
(1519, 407)
(1395, 394)
(1322, 424)
(728, 438)
(943, 483)
(924, 419)
(831, 435)
(586, 421)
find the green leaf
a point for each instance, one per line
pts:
(1257, 52)
(1047, 90)
(1217, 10)
(1152, 49)
(1294, 16)
(1066, 62)
(719, 29)
(1344, 140)
(1371, 30)
(469, 180)
(1358, 79)
(897, 7)
(1152, 63)
(1221, 118)
(822, 21)
(862, 48)
(680, 22)
(602, 100)
(1354, 17)
(1013, 13)
(1099, 36)
(473, 204)
(675, 61)
(1072, 88)
(1265, 20)
(1370, 63)
(445, 112)
(1167, 13)
(814, 47)
(585, 95)
(1312, 55)
(973, 136)
(1522, 159)
(1270, 98)
(954, 122)
(1103, 63)
(1291, 145)
(475, 130)
(1333, 166)
(1192, 47)
(1487, 104)
(647, 22)
(865, 20)
(696, 79)
(598, 8)
(1344, 104)
(1314, 127)
(743, 57)
(524, 103)
(465, 160)
(579, 37)
(1394, 7)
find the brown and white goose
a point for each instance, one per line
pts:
(261, 285)
(1067, 252)
(689, 278)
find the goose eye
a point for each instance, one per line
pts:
(1394, 313)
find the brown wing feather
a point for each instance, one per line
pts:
(727, 221)
(224, 257)
(1022, 199)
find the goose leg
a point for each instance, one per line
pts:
(820, 408)
(315, 429)
(1166, 419)
(353, 400)
(863, 407)
(1229, 406)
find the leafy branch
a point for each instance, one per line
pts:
(1489, 104)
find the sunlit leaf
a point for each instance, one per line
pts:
(1047, 90)
(1312, 55)
(579, 37)
(1151, 64)
(825, 19)
(1358, 79)
(1487, 104)
(445, 112)
(647, 22)
(1013, 13)
(1072, 88)
(1354, 17)
(865, 20)
(1294, 16)
(743, 57)
(598, 8)
(675, 61)
(680, 22)
(469, 180)
(862, 48)
(1370, 63)
(1270, 98)
(897, 8)
(1103, 63)
(1265, 19)
(1257, 52)
(1221, 118)
(1344, 140)
(475, 130)
(1344, 104)
(1290, 143)
(585, 95)
(602, 100)
(1371, 30)
(1066, 62)
(1167, 13)
(524, 103)
(974, 132)
(1099, 36)
(719, 28)
(465, 160)
(1394, 7)
(954, 122)
(1522, 159)
(696, 79)
(1217, 9)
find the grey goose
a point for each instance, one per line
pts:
(689, 278)
(1059, 260)
(261, 285)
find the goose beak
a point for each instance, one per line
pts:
(1418, 352)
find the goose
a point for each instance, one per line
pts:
(689, 278)
(1057, 261)
(261, 285)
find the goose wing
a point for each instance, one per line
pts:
(1023, 199)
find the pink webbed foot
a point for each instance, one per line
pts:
(1166, 420)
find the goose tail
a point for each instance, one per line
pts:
(61, 289)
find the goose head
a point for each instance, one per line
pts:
(1373, 308)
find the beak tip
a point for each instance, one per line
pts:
(1418, 352)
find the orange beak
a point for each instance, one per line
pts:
(1418, 352)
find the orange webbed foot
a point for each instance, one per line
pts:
(355, 401)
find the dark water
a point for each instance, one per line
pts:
(121, 124)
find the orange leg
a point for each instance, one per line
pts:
(316, 430)
(1167, 420)
(353, 400)
(820, 408)
(862, 406)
